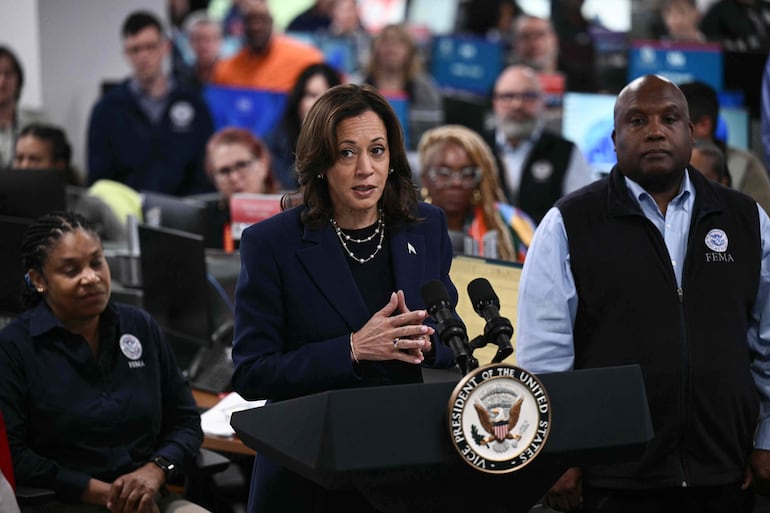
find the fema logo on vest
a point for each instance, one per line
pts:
(716, 240)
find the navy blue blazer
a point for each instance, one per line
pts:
(296, 302)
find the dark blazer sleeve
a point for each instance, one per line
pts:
(288, 342)
(296, 302)
(441, 357)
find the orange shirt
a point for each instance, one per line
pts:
(275, 70)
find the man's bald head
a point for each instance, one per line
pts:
(653, 134)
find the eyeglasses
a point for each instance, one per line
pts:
(238, 167)
(526, 96)
(469, 177)
(139, 48)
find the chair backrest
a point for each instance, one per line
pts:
(31, 193)
(11, 271)
(175, 282)
(5, 455)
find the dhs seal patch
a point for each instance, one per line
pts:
(130, 346)
(499, 418)
(716, 240)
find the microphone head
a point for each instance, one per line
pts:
(434, 294)
(480, 292)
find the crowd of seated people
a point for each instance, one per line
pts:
(134, 126)
(155, 132)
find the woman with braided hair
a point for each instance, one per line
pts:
(94, 404)
(459, 175)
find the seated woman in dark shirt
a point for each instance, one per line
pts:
(94, 404)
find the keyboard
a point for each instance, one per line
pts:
(215, 370)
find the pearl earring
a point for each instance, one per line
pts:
(390, 172)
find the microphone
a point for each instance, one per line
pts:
(451, 330)
(497, 330)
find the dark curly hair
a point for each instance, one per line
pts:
(40, 237)
(317, 152)
(16, 65)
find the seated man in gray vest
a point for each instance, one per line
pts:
(536, 167)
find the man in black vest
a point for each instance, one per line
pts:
(536, 167)
(656, 265)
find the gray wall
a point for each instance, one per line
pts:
(19, 31)
(67, 48)
(79, 48)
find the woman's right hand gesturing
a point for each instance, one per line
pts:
(393, 337)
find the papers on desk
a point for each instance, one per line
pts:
(216, 420)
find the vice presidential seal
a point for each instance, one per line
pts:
(499, 418)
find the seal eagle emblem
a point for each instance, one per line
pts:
(499, 418)
(495, 423)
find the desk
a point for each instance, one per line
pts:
(217, 443)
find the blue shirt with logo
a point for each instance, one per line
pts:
(72, 416)
(544, 338)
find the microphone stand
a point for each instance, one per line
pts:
(497, 331)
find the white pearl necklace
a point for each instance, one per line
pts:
(342, 236)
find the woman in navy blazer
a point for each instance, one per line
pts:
(328, 295)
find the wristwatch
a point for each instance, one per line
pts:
(166, 465)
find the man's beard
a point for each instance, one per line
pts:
(516, 129)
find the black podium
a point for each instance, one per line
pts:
(393, 442)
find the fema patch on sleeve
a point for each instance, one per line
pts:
(716, 240)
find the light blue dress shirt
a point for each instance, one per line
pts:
(548, 299)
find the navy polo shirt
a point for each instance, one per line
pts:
(71, 415)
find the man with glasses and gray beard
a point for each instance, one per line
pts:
(536, 167)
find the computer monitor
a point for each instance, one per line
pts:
(400, 105)
(175, 283)
(468, 110)
(438, 16)
(466, 63)
(733, 127)
(587, 120)
(375, 14)
(31, 193)
(249, 208)
(340, 52)
(183, 214)
(256, 110)
(11, 270)
(743, 75)
(679, 62)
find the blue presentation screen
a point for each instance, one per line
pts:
(679, 63)
(255, 110)
(466, 63)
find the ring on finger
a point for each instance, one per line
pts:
(396, 341)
